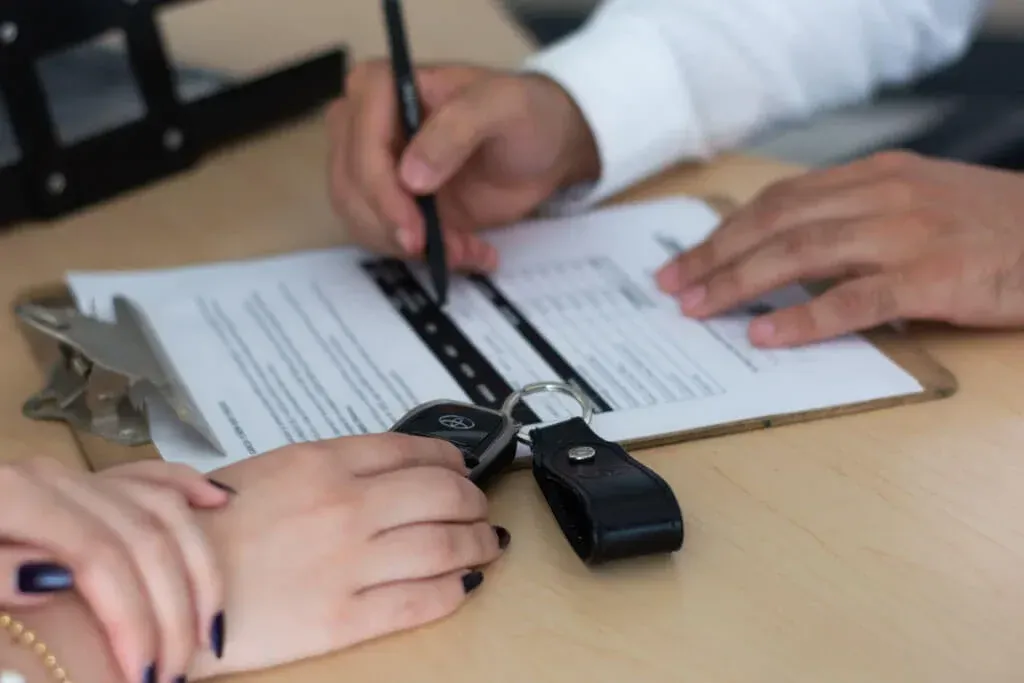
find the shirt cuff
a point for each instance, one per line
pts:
(627, 84)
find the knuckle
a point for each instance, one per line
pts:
(167, 503)
(92, 555)
(896, 191)
(42, 467)
(771, 210)
(450, 544)
(148, 539)
(924, 222)
(12, 478)
(896, 160)
(443, 548)
(467, 495)
(452, 496)
(363, 73)
(725, 284)
(514, 94)
(795, 244)
(418, 607)
(181, 471)
(860, 302)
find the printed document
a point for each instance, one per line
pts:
(328, 343)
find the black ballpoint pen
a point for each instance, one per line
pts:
(411, 112)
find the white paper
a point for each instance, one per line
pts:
(308, 346)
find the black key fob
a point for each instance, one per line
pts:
(487, 438)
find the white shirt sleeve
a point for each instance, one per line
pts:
(662, 81)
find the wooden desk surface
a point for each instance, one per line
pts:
(882, 547)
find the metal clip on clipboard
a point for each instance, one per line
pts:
(122, 350)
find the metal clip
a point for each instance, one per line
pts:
(121, 348)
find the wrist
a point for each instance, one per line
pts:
(583, 161)
(579, 159)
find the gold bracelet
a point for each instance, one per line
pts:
(22, 636)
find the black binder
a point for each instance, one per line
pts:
(43, 175)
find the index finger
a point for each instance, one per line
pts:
(817, 197)
(197, 489)
(376, 141)
(853, 306)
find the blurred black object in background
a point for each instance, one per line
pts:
(83, 120)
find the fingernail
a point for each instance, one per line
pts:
(416, 174)
(150, 674)
(223, 487)
(504, 537)
(693, 297)
(472, 581)
(181, 679)
(761, 331)
(217, 635)
(43, 577)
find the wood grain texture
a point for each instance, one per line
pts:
(881, 547)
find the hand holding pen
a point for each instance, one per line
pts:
(408, 100)
(491, 147)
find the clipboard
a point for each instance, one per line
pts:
(111, 427)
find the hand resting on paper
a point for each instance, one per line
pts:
(323, 546)
(903, 237)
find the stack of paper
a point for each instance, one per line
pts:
(329, 343)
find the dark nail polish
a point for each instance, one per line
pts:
(150, 675)
(43, 577)
(504, 537)
(217, 635)
(223, 487)
(181, 679)
(471, 581)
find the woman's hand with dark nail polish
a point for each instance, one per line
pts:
(405, 535)
(127, 543)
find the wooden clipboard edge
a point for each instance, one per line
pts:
(936, 381)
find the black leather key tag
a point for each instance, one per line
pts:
(608, 505)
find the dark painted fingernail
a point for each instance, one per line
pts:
(181, 679)
(217, 635)
(150, 675)
(43, 577)
(472, 581)
(223, 487)
(503, 536)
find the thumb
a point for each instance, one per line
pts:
(450, 136)
(28, 576)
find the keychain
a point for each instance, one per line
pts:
(607, 504)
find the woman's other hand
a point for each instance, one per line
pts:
(338, 542)
(127, 542)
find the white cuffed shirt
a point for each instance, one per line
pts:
(663, 81)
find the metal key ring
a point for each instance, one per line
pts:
(546, 388)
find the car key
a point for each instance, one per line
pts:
(486, 437)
